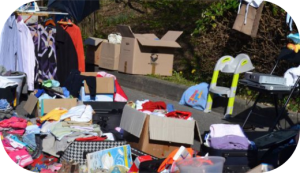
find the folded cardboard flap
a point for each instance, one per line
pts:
(93, 41)
(132, 121)
(125, 31)
(31, 104)
(158, 43)
(48, 105)
(171, 35)
(89, 73)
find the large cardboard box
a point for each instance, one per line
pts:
(155, 135)
(110, 54)
(145, 53)
(93, 51)
(105, 85)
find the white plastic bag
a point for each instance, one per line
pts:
(115, 38)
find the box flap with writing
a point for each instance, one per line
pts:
(158, 43)
(93, 41)
(132, 121)
(48, 105)
(172, 130)
(171, 35)
(104, 85)
(30, 104)
(125, 31)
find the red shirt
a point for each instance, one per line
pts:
(75, 33)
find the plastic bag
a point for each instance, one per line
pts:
(115, 38)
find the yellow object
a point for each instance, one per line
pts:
(29, 123)
(294, 47)
(55, 114)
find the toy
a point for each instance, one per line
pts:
(294, 47)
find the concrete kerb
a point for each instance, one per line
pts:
(174, 92)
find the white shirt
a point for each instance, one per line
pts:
(28, 54)
(10, 46)
(292, 75)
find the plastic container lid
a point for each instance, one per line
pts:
(210, 164)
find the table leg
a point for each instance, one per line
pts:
(253, 107)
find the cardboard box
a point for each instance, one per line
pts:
(145, 53)
(110, 54)
(105, 85)
(155, 135)
(48, 105)
(99, 97)
(93, 51)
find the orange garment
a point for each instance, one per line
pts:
(75, 33)
(169, 160)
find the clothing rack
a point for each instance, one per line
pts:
(41, 13)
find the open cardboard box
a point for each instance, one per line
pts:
(93, 52)
(158, 136)
(145, 53)
(32, 106)
(105, 85)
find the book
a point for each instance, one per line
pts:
(105, 159)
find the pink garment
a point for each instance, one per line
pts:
(7, 147)
(55, 167)
(119, 95)
(16, 132)
(21, 157)
(47, 171)
(14, 122)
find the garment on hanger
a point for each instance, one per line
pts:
(10, 46)
(45, 52)
(75, 33)
(28, 54)
(289, 21)
(66, 54)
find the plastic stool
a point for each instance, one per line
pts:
(235, 66)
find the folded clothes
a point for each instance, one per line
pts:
(29, 139)
(151, 106)
(4, 104)
(14, 122)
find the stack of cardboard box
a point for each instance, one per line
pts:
(138, 53)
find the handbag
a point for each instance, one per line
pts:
(78, 150)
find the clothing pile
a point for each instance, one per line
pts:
(6, 111)
(227, 137)
(160, 109)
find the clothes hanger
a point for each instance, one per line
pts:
(66, 22)
(50, 22)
